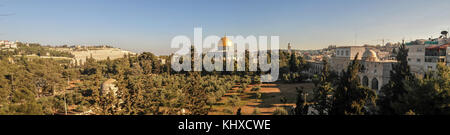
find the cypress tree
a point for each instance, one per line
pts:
(392, 94)
(323, 90)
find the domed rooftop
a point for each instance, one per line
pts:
(370, 55)
(224, 41)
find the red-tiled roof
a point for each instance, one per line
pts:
(439, 46)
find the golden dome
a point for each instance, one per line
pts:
(370, 55)
(224, 41)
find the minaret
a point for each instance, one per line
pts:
(289, 48)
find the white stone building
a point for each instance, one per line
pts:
(436, 54)
(422, 57)
(5, 44)
(416, 58)
(343, 57)
(374, 73)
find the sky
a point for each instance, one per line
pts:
(149, 25)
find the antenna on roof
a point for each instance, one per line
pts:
(383, 41)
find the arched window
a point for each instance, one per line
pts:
(365, 81)
(375, 84)
(363, 68)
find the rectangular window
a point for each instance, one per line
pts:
(418, 60)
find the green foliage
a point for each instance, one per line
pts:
(256, 88)
(234, 101)
(258, 95)
(144, 85)
(302, 105)
(37, 49)
(323, 91)
(393, 94)
(256, 111)
(143, 91)
(350, 97)
(295, 77)
(196, 96)
(291, 66)
(431, 95)
(227, 111)
(256, 79)
(280, 111)
(25, 84)
(297, 63)
(149, 63)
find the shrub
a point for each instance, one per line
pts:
(294, 77)
(227, 111)
(244, 85)
(241, 90)
(256, 111)
(80, 108)
(280, 111)
(211, 100)
(256, 88)
(258, 95)
(234, 100)
(256, 80)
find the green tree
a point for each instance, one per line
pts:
(280, 111)
(302, 105)
(323, 91)
(432, 95)
(196, 100)
(149, 63)
(392, 95)
(350, 98)
(234, 101)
